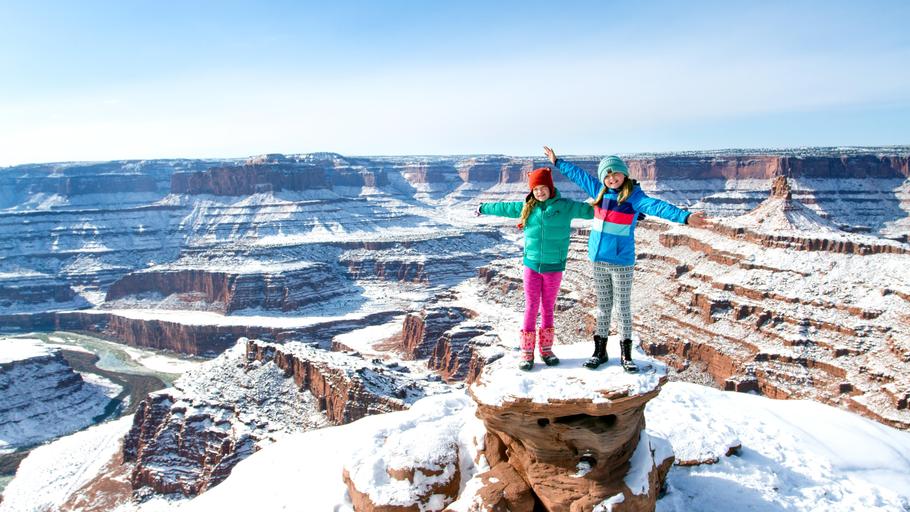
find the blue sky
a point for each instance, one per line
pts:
(109, 80)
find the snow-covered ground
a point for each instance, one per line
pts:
(160, 363)
(567, 381)
(55, 471)
(796, 456)
(17, 349)
(363, 340)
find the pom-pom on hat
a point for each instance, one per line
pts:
(541, 176)
(611, 163)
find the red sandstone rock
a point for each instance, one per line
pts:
(344, 397)
(573, 453)
(160, 334)
(285, 290)
(448, 339)
(505, 490)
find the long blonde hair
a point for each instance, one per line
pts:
(625, 190)
(530, 203)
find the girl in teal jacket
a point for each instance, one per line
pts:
(546, 219)
(611, 247)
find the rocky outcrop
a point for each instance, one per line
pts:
(250, 179)
(226, 292)
(382, 269)
(141, 331)
(447, 337)
(41, 396)
(27, 322)
(800, 243)
(420, 332)
(575, 447)
(462, 353)
(210, 335)
(345, 389)
(769, 166)
(782, 222)
(177, 452)
(12, 296)
(188, 439)
(275, 173)
(433, 478)
(89, 183)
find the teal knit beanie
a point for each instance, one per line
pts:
(611, 163)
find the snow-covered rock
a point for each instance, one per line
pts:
(796, 455)
(42, 397)
(187, 439)
(576, 437)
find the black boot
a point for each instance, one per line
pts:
(600, 353)
(625, 357)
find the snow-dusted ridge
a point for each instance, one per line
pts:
(796, 455)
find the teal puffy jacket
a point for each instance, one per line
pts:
(547, 229)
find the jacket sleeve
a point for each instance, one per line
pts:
(652, 206)
(504, 209)
(579, 176)
(580, 210)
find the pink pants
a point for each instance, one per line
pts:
(540, 294)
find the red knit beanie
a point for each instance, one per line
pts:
(541, 176)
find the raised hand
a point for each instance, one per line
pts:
(551, 156)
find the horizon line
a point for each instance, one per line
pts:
(772, 151)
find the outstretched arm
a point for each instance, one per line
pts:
(656, 207)
(578, 175)
(510, 209)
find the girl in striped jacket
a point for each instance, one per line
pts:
(618, 199)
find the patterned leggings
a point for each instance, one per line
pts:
(613, 285)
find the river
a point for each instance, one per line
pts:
(137, 371)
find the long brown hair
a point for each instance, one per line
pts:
(530, 203)
(625, 190)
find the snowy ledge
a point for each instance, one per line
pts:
(502, 383)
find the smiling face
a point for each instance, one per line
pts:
(541, 192)
(614, 180)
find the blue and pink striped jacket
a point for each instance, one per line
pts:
(613, 230)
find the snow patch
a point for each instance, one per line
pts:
(53, 472)
(19, 349)
(502, 381)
